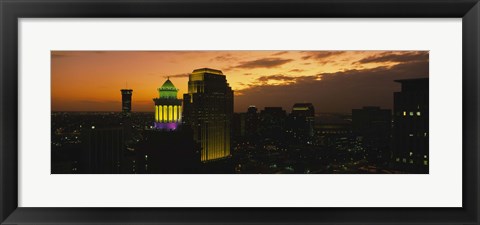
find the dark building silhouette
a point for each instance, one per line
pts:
(103, 149)
(167, 151)
(302, 121)
(410, 133)
(208, 110)
(246, 124)
(252, 121)
(374, 126)
(168, 109)
(272, 122)
(126, 100)
(239, 129)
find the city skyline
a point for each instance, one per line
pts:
(331, 80)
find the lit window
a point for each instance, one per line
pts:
(404, 113)
(411, 161)
(411, 113)
(418, 113)
(93, 127)
(425, 134)
(398, 160)
(425, 162)
(404, 160)
(411, 135)
(411, 153)
(424, 156)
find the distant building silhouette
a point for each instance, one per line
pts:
(167, 151)
(374, 126)
(126, 100)
(272, 122)
(246, 124)
(238, 124)
(208, 110)
(410, 133)
(251, 121)
(103, 148)
(302, 120)
(168, 109)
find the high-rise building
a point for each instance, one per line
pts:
(103, 147)
(126, 100)
(410, 133)
(168, 109)
(251, 121)
(302, 120)
(208, 110)
(374, 126)
(272, 122)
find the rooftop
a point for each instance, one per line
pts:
(207, 70)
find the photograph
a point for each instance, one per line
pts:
(240, 112)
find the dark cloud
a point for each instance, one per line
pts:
(296, 70)
(320, 55)
(400, 57)
(263, 63)
(335, 92)
(278, 77)
(280, 53)
(224, 58)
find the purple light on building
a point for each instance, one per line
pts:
(165, 126)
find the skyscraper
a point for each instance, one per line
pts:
(126, 100)
(208, 110)
(272, 122)
(302, 120)
(374, 126)
(410, 133)
(168, 109)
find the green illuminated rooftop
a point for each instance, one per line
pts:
(168, 90)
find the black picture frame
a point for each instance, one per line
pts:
(12, 10)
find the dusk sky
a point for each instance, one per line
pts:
(334, 81)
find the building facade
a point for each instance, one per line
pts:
(374, 126)
(126, 100)
(208, 110)
(302, 120)
(168, 109)
(410, 133)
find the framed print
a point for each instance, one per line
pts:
(319, 112)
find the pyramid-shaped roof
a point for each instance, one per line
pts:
(168, 85)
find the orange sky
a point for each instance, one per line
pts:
(91, 80)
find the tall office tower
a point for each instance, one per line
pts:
(374, 126)
(168, 109)
(251, 121)
(410, 133)
(272, 122)
(126, 100)
(208, 110)
(302, 120)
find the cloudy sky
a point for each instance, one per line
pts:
(334, 81)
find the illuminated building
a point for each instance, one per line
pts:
(302, 120)
(126, 100)
(410, 132)
(168, 109)
(374, 126)
(208, 110)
